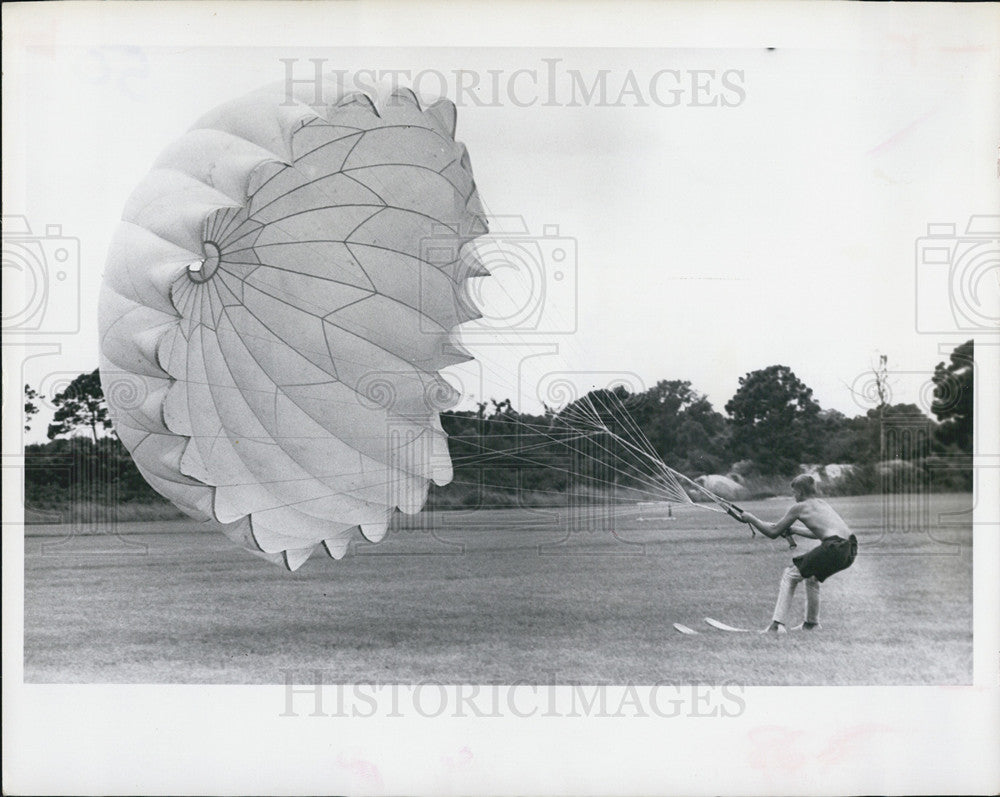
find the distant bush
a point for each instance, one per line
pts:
(949, 474)
(76, 469)
(75, 480)
(862, 479)
(933, 474)
(511, 460)
(84, 512)
(759, 486)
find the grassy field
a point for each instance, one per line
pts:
(504, 596)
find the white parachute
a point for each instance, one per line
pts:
(279, 299)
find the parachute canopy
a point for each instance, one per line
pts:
(281, 294)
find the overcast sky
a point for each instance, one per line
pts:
(719, 210)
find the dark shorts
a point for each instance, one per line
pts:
(831, 556)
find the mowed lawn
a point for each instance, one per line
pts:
(505, 596)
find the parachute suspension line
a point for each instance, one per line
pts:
(668, 479)
(676, 476)
(667, 473)
(658, 483)
(665, 476)
(654, 479)
(654, 487)
(592, 428)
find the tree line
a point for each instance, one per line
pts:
(771, 426)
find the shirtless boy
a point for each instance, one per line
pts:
(836, 552)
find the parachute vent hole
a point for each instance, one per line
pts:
(203, 270)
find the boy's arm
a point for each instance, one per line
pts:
(802, 532)
(775, 530)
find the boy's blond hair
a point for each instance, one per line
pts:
(805, 484)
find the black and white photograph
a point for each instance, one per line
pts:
(508, 398)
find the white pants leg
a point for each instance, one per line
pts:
(790, 579)
(812, 600)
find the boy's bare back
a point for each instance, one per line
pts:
(821, 518)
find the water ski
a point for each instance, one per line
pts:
(723, 627)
